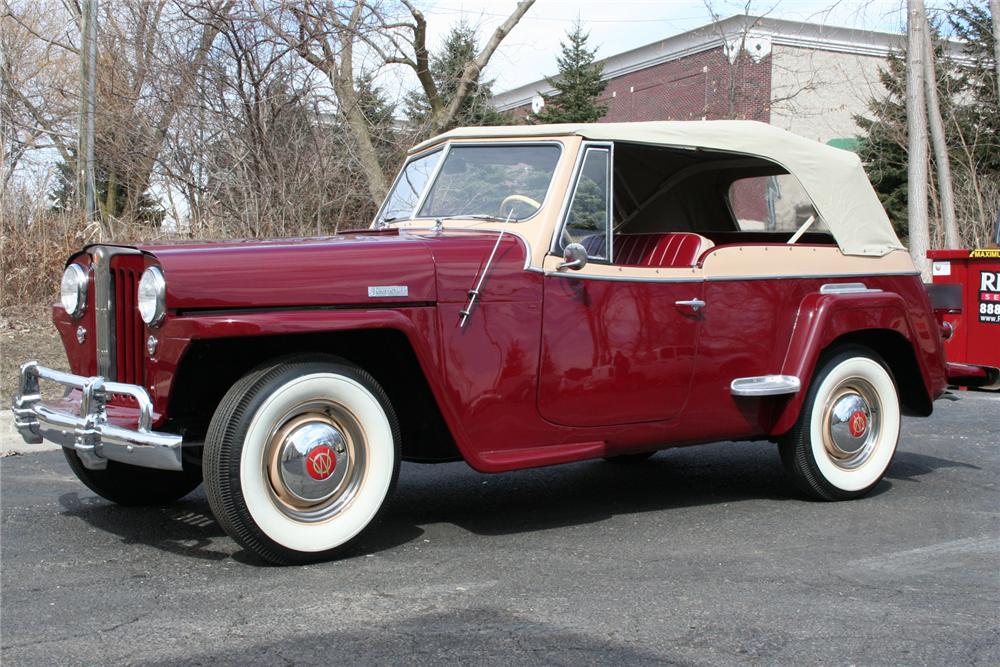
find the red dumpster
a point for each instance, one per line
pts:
(971, 309)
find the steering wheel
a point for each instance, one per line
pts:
(521, 199)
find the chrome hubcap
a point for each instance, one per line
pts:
(315, 461)
(312, 458)
(851, 423)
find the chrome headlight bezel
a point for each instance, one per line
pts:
(73, 290)
(151, 296)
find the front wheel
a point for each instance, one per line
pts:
(847, 430)
(300, 458)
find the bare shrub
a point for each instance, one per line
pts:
(35, 244)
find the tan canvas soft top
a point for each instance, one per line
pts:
(834, 179)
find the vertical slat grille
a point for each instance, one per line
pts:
(129, 329)
(119, 284)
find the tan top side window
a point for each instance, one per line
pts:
(772, 204)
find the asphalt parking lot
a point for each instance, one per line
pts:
(699, 556)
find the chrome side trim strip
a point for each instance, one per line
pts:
(845, 288)
(819, 276)
(622, 278)
(703, 278)
(765, 385)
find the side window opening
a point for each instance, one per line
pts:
(587, 219)
(727, 198)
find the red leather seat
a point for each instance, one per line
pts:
(659, 250)
(669, 249)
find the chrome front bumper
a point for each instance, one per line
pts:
(90, 434)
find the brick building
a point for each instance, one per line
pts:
(807, 78)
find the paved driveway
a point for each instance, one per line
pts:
(700, 556)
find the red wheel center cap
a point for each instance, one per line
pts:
(321, 461)
(858, 423)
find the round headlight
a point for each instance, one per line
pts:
(73, 290)
(152, 296)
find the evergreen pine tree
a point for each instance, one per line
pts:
(972, 25)
(578, 84)
(63, 193)
(380, 113)
(447, 65)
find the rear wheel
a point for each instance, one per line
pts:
(847, 430)
(300, 458)
(132, 485)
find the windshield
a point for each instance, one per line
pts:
(475, 181)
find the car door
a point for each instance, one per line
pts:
(618, 342)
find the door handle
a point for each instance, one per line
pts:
(693, 304)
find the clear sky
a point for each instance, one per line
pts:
(529, 52)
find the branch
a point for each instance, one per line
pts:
(36, 35)
(470, 76)
(299, 45)
(422, 66)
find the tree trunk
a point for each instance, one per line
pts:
(916, 125)
(342, 78)
(946, 194)
(367, 156)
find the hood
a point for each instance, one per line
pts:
(354, 268)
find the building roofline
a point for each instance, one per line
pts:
(714, 35)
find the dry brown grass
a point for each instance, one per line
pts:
(26, 334)
(35, 246)
(35, 243)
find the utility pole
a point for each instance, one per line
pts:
(946, 193)
(86, 183)
(916, 130)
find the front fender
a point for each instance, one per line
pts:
(823, 319)
(417, 324)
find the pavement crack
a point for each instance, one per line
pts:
(118, 626)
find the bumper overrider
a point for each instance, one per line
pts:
(89, 433)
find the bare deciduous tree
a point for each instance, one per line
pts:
(328, 35)
(37, 81)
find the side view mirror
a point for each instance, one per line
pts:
(575, 256)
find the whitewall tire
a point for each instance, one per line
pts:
(300, 458)
(848, 427)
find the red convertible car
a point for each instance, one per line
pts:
(526, 296)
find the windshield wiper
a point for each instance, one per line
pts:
(476, 216)
(438, 218)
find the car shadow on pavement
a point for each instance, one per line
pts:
(507, 503)
(907, 466)
(474, 635)
(589, 492)
(186, 527)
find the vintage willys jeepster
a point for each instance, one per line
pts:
(526, 296)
